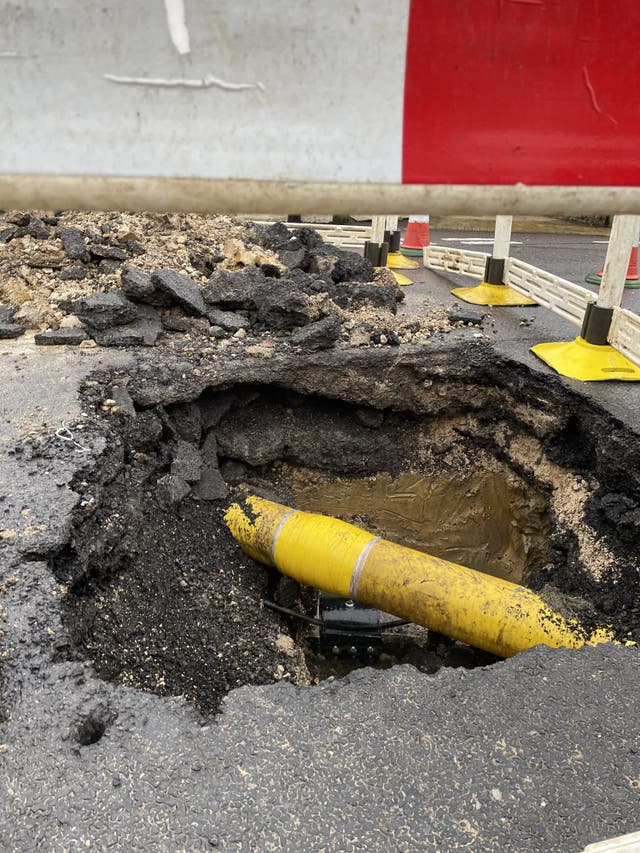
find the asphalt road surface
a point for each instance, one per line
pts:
(537, 753)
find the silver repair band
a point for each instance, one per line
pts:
(276, 533)
(359, 566)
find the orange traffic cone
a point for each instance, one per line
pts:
(416, 236)
(632, 279)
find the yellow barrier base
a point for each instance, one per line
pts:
(491, 294)
(588, 362)
(396, 261)
(403, 280)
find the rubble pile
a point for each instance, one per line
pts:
(122, 280)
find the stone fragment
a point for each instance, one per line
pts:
(209, 450)
(123, 400)
(204, 260)
(211, 486)
(341, 265)
(295, 259)
(231, 321)
(217, 332)
(279, 307)
(75, 273)
(30, 315)
(104, 250)
(467, 316)
(19, 217)
(187, 421)
(104, 310)
(358, 295)
(176, 322)
(71, 321)
(74, 244)
(135, 247)
(60, 337)
(142, 332)
(37, 229)
(385, 336)
(187, 462)
(350, 266)
(260, 351)
(136, 283)
(190, 325)
(170, 490)
(319, 335)
(108, 267)
(234, 289)
(181, 291)
(6, 313)
(10, 330)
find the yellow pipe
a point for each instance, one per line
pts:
(331, 555)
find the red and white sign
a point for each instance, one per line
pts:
(535, 91)
(435, 92)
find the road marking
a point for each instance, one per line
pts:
(477, 241)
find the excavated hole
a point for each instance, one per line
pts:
(161, 597)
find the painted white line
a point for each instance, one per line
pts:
(477, 241)
(177, 23)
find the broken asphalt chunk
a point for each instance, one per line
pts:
(61, 337)
(104, 310)
(181, 291)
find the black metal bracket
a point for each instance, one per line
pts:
(596, 324)
(349, 628)
(393, 239)
(377, 253)
(494, 271)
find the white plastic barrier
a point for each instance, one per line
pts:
(455, 260)
(559, 295)
(563, 297)
(624, 334)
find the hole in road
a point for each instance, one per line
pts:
(160, 597)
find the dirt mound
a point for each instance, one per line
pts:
(121, 280)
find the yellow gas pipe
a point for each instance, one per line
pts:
(336, 557)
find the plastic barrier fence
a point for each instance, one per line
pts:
(563, 297)
(608, 346)
(625, 334)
